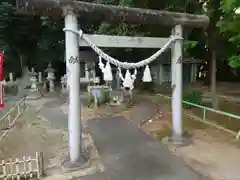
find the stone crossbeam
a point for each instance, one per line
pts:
(111, 13)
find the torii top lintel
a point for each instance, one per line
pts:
(109, 13)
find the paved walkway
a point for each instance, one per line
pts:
(50, 110)
(143, 110)
(126, 151)
(9, 102)
(129, 154)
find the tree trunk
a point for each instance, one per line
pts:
(21, 62)
(215, 103)
(212, 41)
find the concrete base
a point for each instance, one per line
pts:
(34, 95)
(179, 141)
(82, 163)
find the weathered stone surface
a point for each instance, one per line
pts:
(111, 13)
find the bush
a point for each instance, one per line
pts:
(192, 97)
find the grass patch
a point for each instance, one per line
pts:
(221, 120)
(164, 132)
(191, 123)
(188, 125)
(161, 100)
(128, 105)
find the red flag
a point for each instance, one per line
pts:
(1, 74)
(1, 64)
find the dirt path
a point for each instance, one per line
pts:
(31, 135)
(211, 153)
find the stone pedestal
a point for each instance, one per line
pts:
(82, 163)
(64, 88)
(34, 84)
(33, 96)
(51, 84)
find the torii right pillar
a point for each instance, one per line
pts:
(176, 69)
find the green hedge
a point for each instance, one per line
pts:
(192, 97)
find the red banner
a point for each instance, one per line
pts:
(1, 76)
(1, 65)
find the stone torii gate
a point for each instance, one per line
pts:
(70, 10)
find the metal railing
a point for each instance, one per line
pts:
(203, 119)
(7, 121)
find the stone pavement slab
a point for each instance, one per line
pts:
(58, 119)
(142, 112)
(8, 104)
(129, 154)
(50, 110)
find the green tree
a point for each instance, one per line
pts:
(230, 29)
(17, 37)
(29, 40)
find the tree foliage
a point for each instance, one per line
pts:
(35, 41)
(230, 29)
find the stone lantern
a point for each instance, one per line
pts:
(50, 77)
(34, 91)
(33, 79)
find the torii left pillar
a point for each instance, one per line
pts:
(176, 68)
(76, 157)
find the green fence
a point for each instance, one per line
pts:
(204, 120)
(7, 121)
